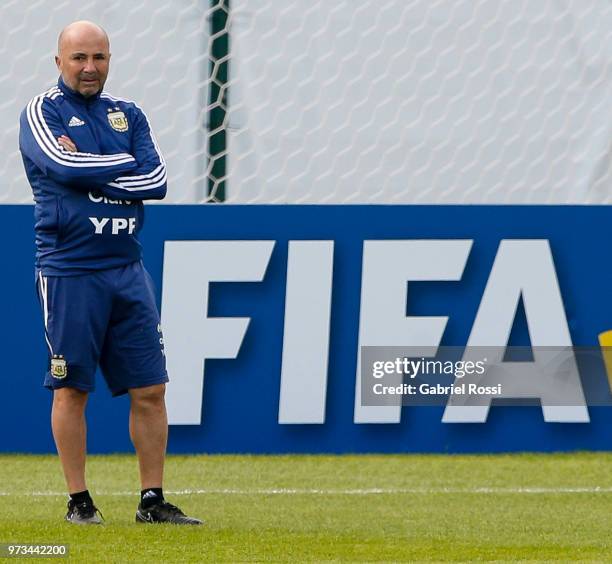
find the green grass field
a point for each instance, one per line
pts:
(328, 508)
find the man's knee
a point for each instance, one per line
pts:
(69, 398)
(149, 396)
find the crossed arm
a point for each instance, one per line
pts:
(129, 187)
(137, 176)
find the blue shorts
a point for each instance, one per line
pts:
(107, 318)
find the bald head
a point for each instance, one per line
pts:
(83, 55)
(79, 29)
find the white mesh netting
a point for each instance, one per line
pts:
(159, 59)
(353, 101)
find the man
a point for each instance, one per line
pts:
(91, 160)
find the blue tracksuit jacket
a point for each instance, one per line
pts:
(88, 204)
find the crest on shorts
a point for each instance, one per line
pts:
(117, 121)
(59, 368)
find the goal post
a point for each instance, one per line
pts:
(217, 109)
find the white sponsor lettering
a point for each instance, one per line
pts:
(99, 223)
(388, 269)
(190, 335)
(306, 333)
(105, 200)
(523, 269)
(118, 224)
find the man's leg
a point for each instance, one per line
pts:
(149, 432)
(76, 311)
(133, 359)
(70, 434)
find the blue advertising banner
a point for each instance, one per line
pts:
(302, 288)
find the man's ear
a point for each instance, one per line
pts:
(57, 62)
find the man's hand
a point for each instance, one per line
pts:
(67, 143)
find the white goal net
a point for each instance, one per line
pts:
(346, 101)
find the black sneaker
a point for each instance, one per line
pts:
(164, 512)
(84, 513)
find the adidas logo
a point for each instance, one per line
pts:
(75, 121)
(149, 494)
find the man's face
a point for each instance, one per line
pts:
(83, 60)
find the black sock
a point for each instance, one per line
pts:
(80, 497)
(150, 497)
